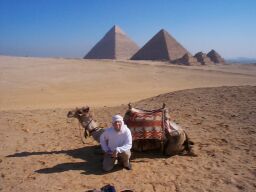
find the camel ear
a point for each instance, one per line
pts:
(86, 109)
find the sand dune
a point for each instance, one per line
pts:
(41, 150)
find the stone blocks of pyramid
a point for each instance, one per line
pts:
(161, 47)
(114, 45)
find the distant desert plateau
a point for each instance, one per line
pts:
(41, 150)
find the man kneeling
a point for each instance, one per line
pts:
(116, 142)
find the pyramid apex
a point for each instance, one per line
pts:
(162, 31)
(199, 53)
(117, 29)
(212, 51)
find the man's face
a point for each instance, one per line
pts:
(117, 125)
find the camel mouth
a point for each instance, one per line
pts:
(77, 113)
(70, 114)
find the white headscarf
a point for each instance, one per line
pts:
(117, 118)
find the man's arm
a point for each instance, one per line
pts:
(127, 144)
(103, 142)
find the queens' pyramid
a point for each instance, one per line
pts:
(187, 59)
(161, 47)
(215, 57)
(114, 45)
(203, 58)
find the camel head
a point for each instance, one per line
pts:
(79, 113)
(84, 117)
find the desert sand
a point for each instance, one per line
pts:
(35, 83)
(41, 150)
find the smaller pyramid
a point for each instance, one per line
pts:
(160, 47)
(114, 45)
(215, 57)
(203, 59)
(187, 59)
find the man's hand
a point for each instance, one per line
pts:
(114, 154)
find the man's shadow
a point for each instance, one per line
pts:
(92, 156)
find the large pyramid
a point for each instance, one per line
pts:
(161, 47)
(114, 45)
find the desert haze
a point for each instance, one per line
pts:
(41, 150)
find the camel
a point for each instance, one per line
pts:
(176, 142)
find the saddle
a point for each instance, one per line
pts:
(147, 124)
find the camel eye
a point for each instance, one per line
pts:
(80, 113)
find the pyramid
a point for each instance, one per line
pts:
(203, 58)
(114, 45)
(161, 47)
(215, 57)
(187, 59)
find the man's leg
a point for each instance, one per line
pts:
(125, 157)
(108, 162)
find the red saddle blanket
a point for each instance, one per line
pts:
(145, 124)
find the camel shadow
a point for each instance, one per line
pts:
(91, 155)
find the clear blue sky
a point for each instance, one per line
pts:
(69, 28)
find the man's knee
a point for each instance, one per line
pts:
(125, 157)
(108, 163)
(126, 154)
(107, 167)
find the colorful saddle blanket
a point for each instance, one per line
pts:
(145, 124)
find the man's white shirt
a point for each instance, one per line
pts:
(112, 140)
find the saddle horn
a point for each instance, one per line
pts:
(130, 105)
